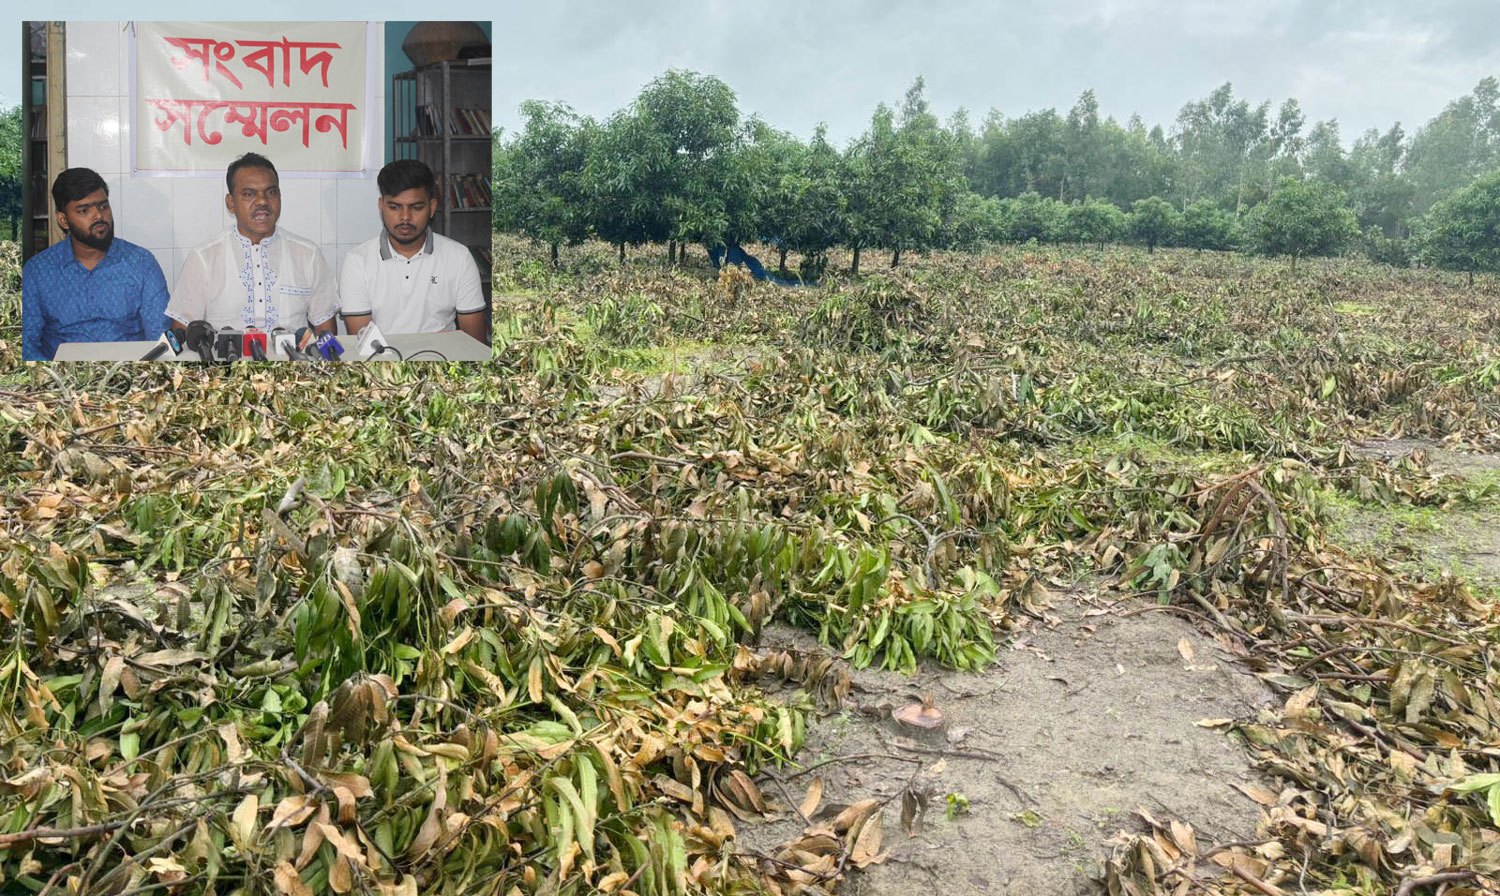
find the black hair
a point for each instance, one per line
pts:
(406, 174)
(248, 160)
(74, 184)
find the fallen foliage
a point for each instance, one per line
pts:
(447, 629)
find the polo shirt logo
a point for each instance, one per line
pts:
(434, 279)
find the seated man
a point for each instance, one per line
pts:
(409, 279)
(90, 287)
(254, 275)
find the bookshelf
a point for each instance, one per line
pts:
(35, 193)
(442, 117)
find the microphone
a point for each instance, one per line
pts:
(254, 344)
(306, 336)
(286, 345)
(371, 341)
(229, 344)
(168, 340)
(200, 338)
(329, 348)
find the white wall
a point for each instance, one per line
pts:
(171, 215)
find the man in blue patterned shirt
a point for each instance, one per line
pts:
(90, 287)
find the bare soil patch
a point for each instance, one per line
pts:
(1087, 717)
(1442, 458)
(1461, 540)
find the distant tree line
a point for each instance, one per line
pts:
(680, 165)
(11, 134)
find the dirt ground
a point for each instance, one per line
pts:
(1464, 541)
(1086, 717)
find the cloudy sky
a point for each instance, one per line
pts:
(800, 62)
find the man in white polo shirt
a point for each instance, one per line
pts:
(255, 275)
(409, 279)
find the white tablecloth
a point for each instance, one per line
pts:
(455, 345)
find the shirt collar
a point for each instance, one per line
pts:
(109, 254)
(387, 253)
(245, 240)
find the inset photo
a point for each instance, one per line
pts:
(307, 191)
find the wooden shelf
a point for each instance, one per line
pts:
(467, 138)
(425, 99)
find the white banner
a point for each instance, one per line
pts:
(209, 92)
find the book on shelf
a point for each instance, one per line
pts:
(464, 122)
(485, 258)
(460, 122)
(38, 127)
(425, 123)
(469, 191)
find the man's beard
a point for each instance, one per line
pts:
(418, 237)
(94, 242)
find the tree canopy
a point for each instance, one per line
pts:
(1463, 231)
(1303, 218)
(681, 164)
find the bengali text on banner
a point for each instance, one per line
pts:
(208, 92)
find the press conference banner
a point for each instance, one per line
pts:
(209, 92)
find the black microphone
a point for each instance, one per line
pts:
(255, 344)
(200, 338)
(329, 348)
(227, 346)
(286, 343)
(168, 340)
(306, 336)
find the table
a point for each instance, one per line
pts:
(455, 345)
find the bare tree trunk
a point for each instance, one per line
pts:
(895, 258)
(671, 252)
(854, 268)
(622, 253)
(554, 254)
(782, 266)
(682, 253)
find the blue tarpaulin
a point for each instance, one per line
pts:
(733, 254)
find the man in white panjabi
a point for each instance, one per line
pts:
(255, 275)
(409, 279)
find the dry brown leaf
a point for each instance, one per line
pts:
(813, 798)
(534, 680)
(357, 785)
(748, 792)
(288, 882)
(340, 876)
(312, 839)
(348, 811)
(1299, 705)
(854, 814)
(109, 679)
(1183, 834)
(242, 825)
(292, 811)
(432, 825)
(170, 658)
(1256, 792)
(866, 848)
(912, 809)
